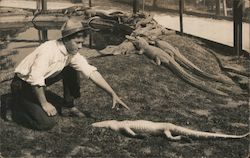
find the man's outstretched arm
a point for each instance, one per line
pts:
(97, 78)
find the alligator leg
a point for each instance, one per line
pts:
(169, 135)
(129, 131)
(158, 61)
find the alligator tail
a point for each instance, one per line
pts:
(200, 134)
(7, 76)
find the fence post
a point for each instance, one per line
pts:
(181, 10)
(38, 5)
(90, 3)
(136, 5)
(90, 34)
(44, 35)
(225, 7)
(237, 17)
(217, 7)
(154, 4)
(143, 6)
(44, 5)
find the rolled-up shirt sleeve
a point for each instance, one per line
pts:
(39, 68)
(80, 63)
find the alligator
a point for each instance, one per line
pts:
(173, 51)
(173, 132)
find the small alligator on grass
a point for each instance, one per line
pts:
(137, 127)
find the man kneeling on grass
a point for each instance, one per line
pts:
(50, 62)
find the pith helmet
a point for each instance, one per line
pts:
(71, 26)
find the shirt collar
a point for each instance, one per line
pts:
(62, 47)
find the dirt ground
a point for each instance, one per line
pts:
(153, 93)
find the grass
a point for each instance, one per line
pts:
(153, 93)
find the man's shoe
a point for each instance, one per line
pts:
(74, 112)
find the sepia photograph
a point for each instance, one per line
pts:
(124, 78)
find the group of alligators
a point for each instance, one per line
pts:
(162, 53)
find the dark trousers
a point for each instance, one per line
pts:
(26, 109)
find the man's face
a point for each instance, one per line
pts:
(74, 43)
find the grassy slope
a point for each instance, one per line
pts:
(153, 93)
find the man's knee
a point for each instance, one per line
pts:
(37, 121)
(44, 122)
(28, 122)
(42, 126)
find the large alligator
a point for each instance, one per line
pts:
(168, 48)
(138, 127)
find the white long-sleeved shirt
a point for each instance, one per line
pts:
(48, 60)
